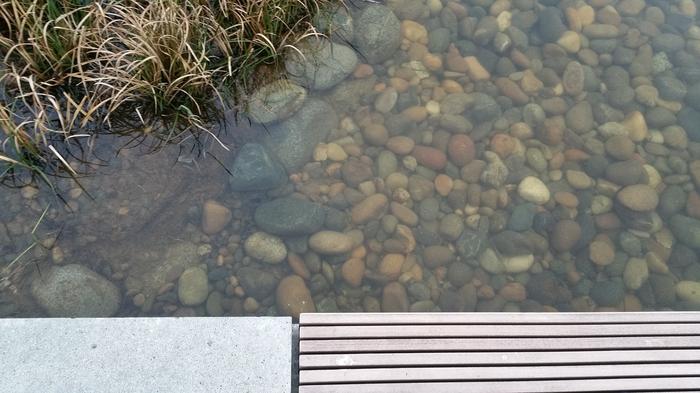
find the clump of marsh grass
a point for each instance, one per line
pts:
(260, 31)
(44, 38)
(45, 100)
(159, 64)
(160, 70)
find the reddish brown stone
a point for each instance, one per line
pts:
(461, 150)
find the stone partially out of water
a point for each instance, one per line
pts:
(377, 33)
(254, 169)
(289, 216)
(74, 291)
(275, 101)
(321, 64)
(293, 140)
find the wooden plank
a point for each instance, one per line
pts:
(359, 360)
(496, 318)
(417, 331)
(451, 374)
(496, 344)
(581, 385)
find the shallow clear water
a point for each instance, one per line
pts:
(509, 156)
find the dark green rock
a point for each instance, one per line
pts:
(686, 229)
(608, 293)
(290, 216)
(254, 169)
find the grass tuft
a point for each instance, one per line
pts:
(160, 70)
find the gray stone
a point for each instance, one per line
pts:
(265, 247)
(689, 119)
(624, 173)
(289, 216)
(608, 293)
(438, 40)
(580, 117)
(522, 217)
(547, 289)
(254, 169)
(275, 101)
(658, 117)
(471, 244)
(149, 272)
(74, 291)
(193, 287)
(686, 229)
(293, 140)
(664, 288)
(377, 33)
(349, 93)
(257, 283)
(667, 42)
(670, 88)
(511, 243)
(693, 96)
(337, 22)
(672, 201)
(451, 227)
(630, 244)
(484, 108)
(321, 64)
(550, 25)
(145, 355)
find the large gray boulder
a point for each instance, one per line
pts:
(74, 291)
(377, 33)
(293, 140)
(336, 22)
(254, 169)
(321, 64)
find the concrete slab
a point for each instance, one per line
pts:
(146, 355)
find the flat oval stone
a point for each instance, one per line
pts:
(638, 197)
(330, 242)
(533, 190)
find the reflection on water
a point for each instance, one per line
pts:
(507, 155)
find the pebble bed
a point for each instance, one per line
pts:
(474, 155)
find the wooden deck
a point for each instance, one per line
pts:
(499, 352)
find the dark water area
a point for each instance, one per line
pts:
(434, 155)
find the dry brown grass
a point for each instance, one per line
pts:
(156, 70)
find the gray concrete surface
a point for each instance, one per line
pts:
(146, 355)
